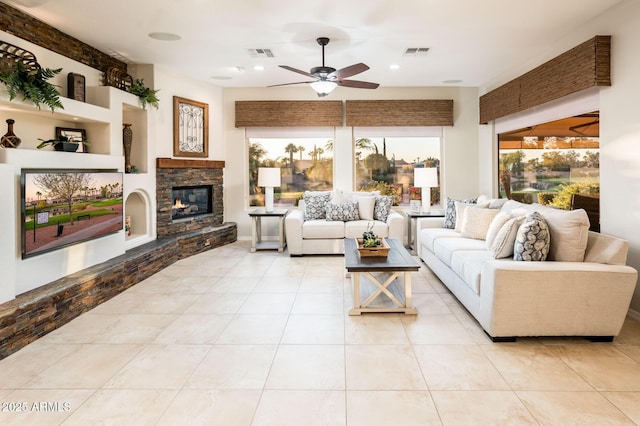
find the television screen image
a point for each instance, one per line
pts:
(65, 207)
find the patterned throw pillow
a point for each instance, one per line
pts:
(450, 211)
(342, 211)
(533, 240)
(383, 207)
(316, 204)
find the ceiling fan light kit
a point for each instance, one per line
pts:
(328, 78)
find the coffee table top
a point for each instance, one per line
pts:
(398, 259)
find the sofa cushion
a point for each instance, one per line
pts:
(315, 204)
(450, 211)
(503, 244)
(382, 207)
(322, 229)
(355, 228)
(476, 222)
(568, 229)
(366, 204)
(532, 240)
(498, 221)
(444, 248)
(468, 265)
(342, 211)
(428, 236)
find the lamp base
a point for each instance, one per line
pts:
(426, 201)
(268, 199)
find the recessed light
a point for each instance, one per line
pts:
(452, 81)
(394, 66)
(259, 68)
(238, 68)
(164, 36)
(221, 77)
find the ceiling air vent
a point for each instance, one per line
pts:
(261, 53)
(416, 51)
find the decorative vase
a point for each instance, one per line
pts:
(10, 140)
(127, 139)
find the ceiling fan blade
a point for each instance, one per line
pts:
(357, 84)
(289, 84)
(296, 70)
(350, 70)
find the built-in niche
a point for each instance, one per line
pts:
(137, 216)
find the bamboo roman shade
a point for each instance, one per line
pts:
(288, 113)
(582, 67)
(419, 112)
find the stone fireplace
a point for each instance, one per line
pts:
(189, 195)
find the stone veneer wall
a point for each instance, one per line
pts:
(35, 313)
(171, 173)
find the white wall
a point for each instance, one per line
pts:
(619, 125)
(459, 151)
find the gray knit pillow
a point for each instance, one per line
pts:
(342, 211)
(315, 205)
(382, 207)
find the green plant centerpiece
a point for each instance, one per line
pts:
(145, 94)
(62, 143)
(31, 83)
(369, 238)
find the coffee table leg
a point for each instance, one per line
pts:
(408, 301)
(356, 295)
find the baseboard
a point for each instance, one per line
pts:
(634, 315)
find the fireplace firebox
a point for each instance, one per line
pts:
(190, 201)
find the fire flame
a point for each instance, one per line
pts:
(178, 204)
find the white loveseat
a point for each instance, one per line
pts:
(308, 235)
(584, 290)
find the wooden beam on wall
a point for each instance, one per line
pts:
(586, 65)
(288, 113)
(419, 112)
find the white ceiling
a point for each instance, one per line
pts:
(471, 41)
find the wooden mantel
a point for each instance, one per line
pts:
(172, 163)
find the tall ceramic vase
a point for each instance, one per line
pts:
(10, 140)
(127, 139)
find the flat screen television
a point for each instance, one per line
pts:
(65, 207)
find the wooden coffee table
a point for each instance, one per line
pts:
(382, 276)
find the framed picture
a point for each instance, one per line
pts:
(73, 135)
(415, 206)
(190, 128)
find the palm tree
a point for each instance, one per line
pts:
(291, 149)
(301, 149)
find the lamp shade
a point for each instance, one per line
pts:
(269, 176)
(425, 177)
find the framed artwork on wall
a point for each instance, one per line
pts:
(190, 128)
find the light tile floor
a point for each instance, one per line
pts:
(230, 338)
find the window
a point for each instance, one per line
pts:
(306, 163)
(387, 163)
(550, 162)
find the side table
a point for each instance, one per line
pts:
(412, 218)
(256, 230)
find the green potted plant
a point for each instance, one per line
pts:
(62, 143)
(144, 94)
(31, 83)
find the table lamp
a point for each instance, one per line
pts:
(268, 177)
(425, 178)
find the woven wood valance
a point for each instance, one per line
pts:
(288, 113)
(420, 112)
(580, 68)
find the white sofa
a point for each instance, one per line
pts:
(322, 236)
(587, 294)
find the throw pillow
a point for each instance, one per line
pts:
(503, 245)
(382, 207)
(366, 204)
(532, 240)
(500, 219)
(315, 204)
(476, 222)
(450, 211)
(342, 211)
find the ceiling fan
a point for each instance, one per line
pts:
(328, 78)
